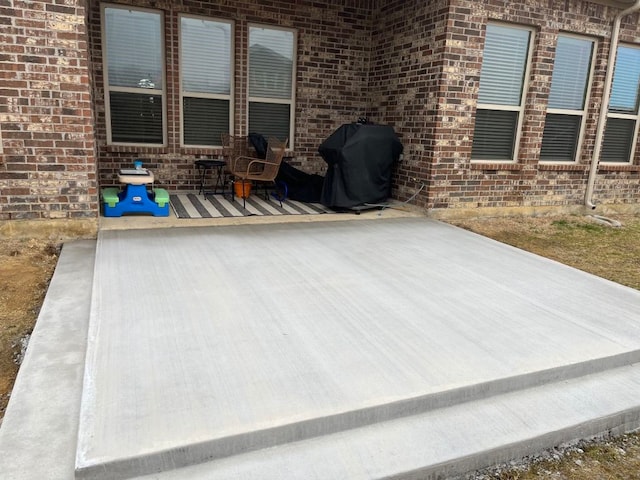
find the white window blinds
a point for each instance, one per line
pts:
(503, 65)
(134, 60)
(500, 96)
(206, 72)
(206, 56)
(271, 82)
(567, 97)
(626, 80)
(134, 48)
(620, 133)
(570, 73)
(270, 63)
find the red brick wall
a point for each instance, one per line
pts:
(438, 133)
(406, 82)
(48, 161)
(334, 47)
(412, 64)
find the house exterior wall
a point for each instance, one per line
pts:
(333, 53)
(47, 168)
(412, 64)
(407, 82)
(437, 94)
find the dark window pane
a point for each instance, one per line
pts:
(136, 118)
(560, 138)
(205, 120)
(616, 145)
(269, 119)
(494, 135)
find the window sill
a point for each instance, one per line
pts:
(201, 151)
(186, 151)
(563, 167)
(617, 167)
(218, 151)
(136, 149)
(496, 166)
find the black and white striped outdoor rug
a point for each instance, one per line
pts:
(216, 206)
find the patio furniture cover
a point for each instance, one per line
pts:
(301, 186)
(360, 159)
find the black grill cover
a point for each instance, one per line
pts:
(360, 158)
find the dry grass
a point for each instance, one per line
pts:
(611, 253)
(607, 459)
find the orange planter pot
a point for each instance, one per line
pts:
(242, 188)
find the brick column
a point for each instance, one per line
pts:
(48, 168)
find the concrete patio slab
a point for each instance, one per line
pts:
(213, 344)
(400, 348)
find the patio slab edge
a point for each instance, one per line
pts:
(239, 444)
(41, 421)
(450, 442)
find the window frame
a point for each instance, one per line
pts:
(623, 116)
(133, 90)
(520, 109)
(587, 94)
(214, 96)
(292, 101)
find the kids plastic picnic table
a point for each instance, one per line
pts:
(136, 196)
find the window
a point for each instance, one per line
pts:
(206, 71)
(500, 100)
(134, 76)
(271, 82)
(567, 99)
(622, 118)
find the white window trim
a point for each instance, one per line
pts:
(583, 112)
(107, 88)
(214, 96)
(626, 116)
(292, 101)
(523, 98)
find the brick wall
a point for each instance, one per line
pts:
(406, 82)
(412, 64)
(449, 35)
(48, 161)
(334, 48)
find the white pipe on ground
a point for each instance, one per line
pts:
(604, 108)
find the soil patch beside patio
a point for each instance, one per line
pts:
(26, 267)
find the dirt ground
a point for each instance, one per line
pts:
(26, 268)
